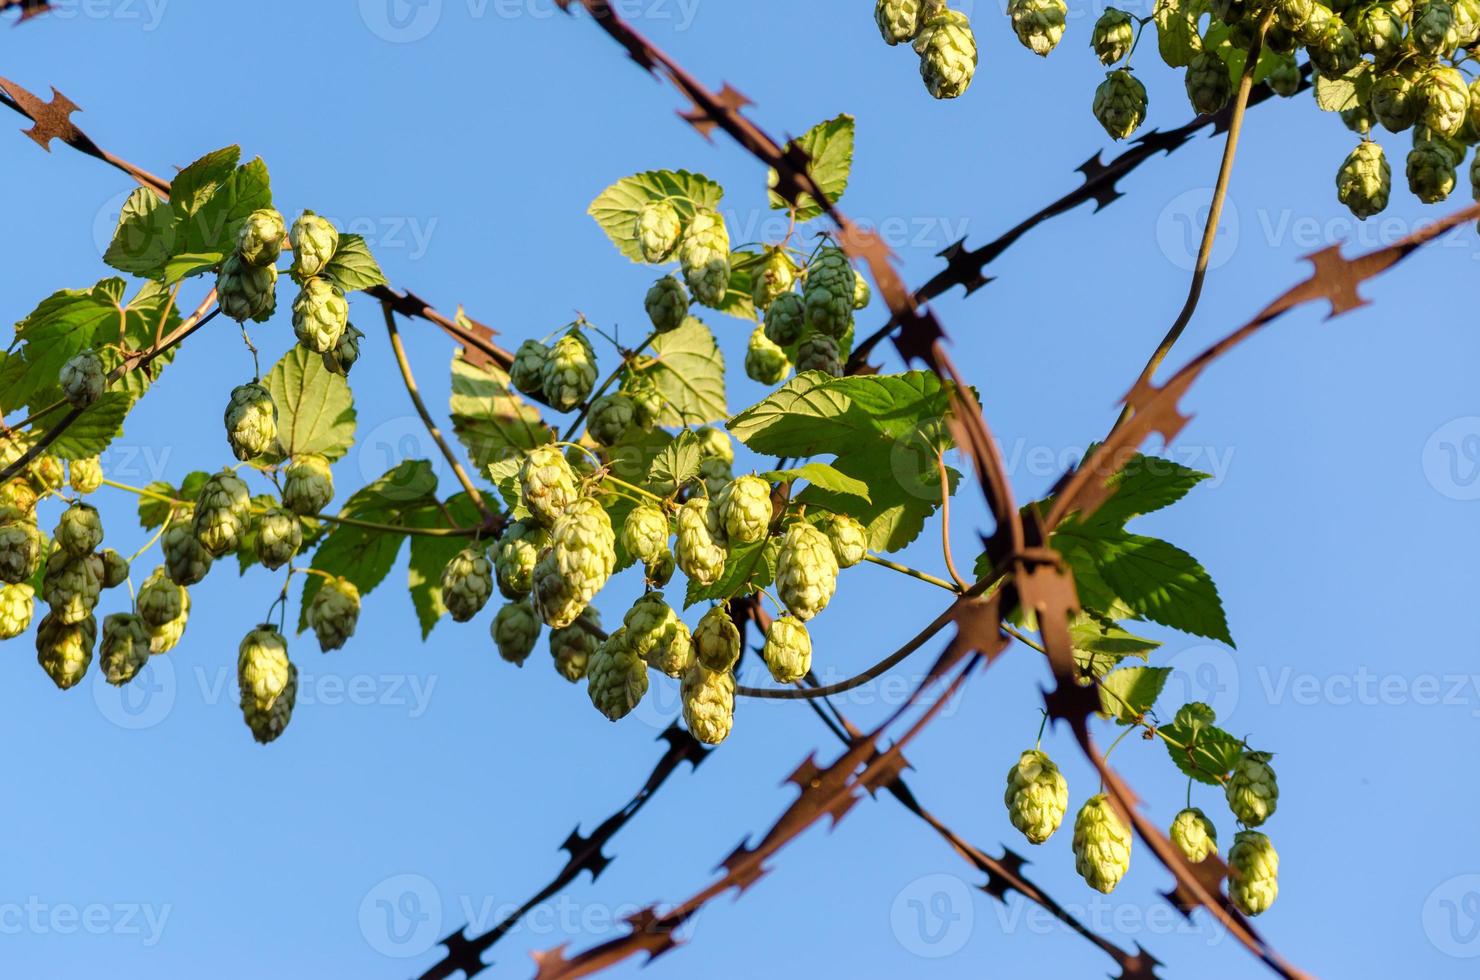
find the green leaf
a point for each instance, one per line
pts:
(689, 372)
(489, 417)
(194, 186)
(616, 208)
(98, 425)
(1176, 31)
(188, 264)
(353, 267)
(675, 464)
(63, 324)
(145, 236)
(830, 147)
(214, 225)
(429, 555)
(316, 413)
(1205, 753)
(1143, 485)
(1128, 693)
(632, 457)
(822, 475)
(814, 413)
(504, 475)
(1347, 92)
(747, 568)
(1100, 643)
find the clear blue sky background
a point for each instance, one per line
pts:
(160, 841)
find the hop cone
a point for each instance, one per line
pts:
(1253, 872)
(162, 638)
(582, 553)
(245, 291)
(616, 677)
(85, 475)
(947, 51)
(1253, 794)
(125, 648)
(79, 531)
(65, 650)
(185, 557)
(658, 571)
(17, 605)
(773, 278)
(547, 484)
(467, 582)
(1194, 834)
(898, 20)
(785, 319)
(115, 568)
(314, 242)
(1364, 180)
(515, 630)
(1446, 100)
(1431, 171)
(71, 586)
(1395, 99)
(611, 416)
(573, 647)
(658, 229)
(820, 353)
(1284, 78)
(20, 551)
(160, 600)
(333, 613)
(279, 536)
(862, 294)
(320, 314)
(345, 353)
(704, 255)
(1379, 32)
(1113, 35)
(717, 640)
(515, 555)
(17, 499)
(46, 473)
(1037, 796)
(645, 533)
(701, 550)
(251, 421)
(1209, 86)
(715, 444)
(658, 636)
(716, 473)
(1293, 14)
(828, 293)
(849, 538)
(268, 680)
(82, 379)
(667, 304)
(1358, 119)
(1334, 50)
(1433, 28)
(1039, 24)
(260, 240)
(806, 571)
(308, 485)
(765, 363)
(788, 650)
(221, 512)
(1102, 845)
(646, 398)
(570, 372)
(528, 370)
(1120, 103)
(708, 703)
(745, 509)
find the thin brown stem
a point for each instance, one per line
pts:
(945, 522)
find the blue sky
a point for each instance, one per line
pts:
(465, 139)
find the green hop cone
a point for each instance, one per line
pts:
(645, 533)
(1293, 14)
(828, 293)
(1209, 86)
(785, 319)
(17, 606)
(528, 370)
(1365, 180)
(1039, 24)
(185, 558)
(346, 353)
(1113, 35)
(646, 398)
(334, 613)
(788, 650)
(79, 531)
(65, 650)
(947, 50)
(85, 475)
(1037, 796)
(115, 568)
(251, 421)
(71, 585)
(806, 571)
(1431, 171)
(245, 291)
(467, 583)
(715, 444)
(658, 636)
(667, 304)
(610, 417)
(708, 703)
(222, 511)
(765, 363)
(573, 647)
(658, 572)
(657, 231)
(82, 379)
(1334, 50)
(849, 538)
(616, 677)
(164, 637)
(21, 546)
(308, 485)
(581, 556)
(862, 294)
(717, 640)
(1252, 791)
(744, 507)
(314, 242)
(701, 551)
(1446, 100)
(1281, 42)
(1318, 17)
(1379, 33)
(320, 315)
(1102, 845)
(1358, 119)
(515, 630)
(17, 499)
(704, 256)
(1395, 99)
(1120, 103)
(1433, 28)
(125, 648)
(1473, 112)
(515, 555)
(570, 371)
(715, 473)
(547, 484)
(160, 600)
(773, 278)
(899, 20)
(1253, 872)
(1194, 835)
(260, 240)
(268, 681)
(817, 352)
(279, 536)
(46, 473)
